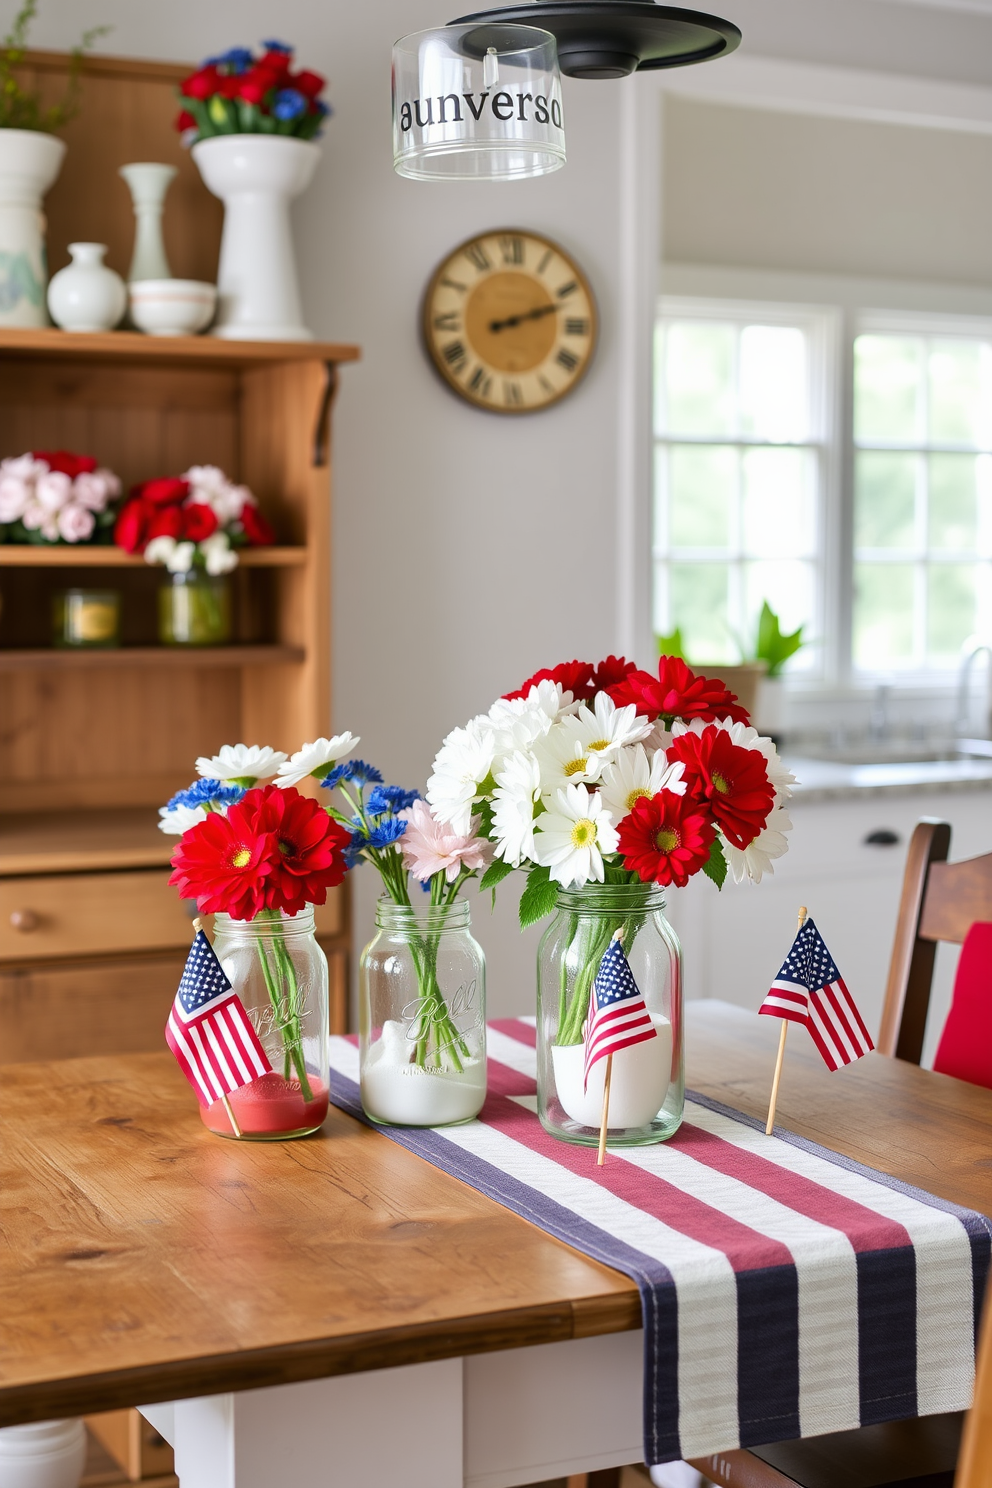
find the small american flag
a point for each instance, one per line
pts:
(810, 990)
(618, 1016)
(208, 1029)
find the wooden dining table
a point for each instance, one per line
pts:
(337, 1306)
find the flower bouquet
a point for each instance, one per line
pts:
(52, 496)
(239, 93)
(195, 520)
(605, 784)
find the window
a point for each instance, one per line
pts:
(739, 461)
(922, 498)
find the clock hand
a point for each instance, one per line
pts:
(515, 320)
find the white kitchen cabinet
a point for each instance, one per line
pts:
(736, 939)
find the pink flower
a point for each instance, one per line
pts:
(94, 488)
(430, 846)
(37, 519)
(75, 522)
(53, 490)
(15, 493)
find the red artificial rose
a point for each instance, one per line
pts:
(224, 863)
(227, 85)
(66, 463)
(253, 86)
(197, 520)
(167, 491)
(677, 692)
(310, 84)
(733, 781)
(574, 676)
(257, 530)
(185, 121)
(611, 671)
(132, 525)
(201, 84)
(277, 62)
(666, 838)
(165, 521)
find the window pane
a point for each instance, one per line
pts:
(778, 503)
(953, 501)
(884, 499)
(950, 609)
(887, 387)
(790, 589)
(774, 381)
(960, 392)
(698, 377)
(702, 496)
(699, 593)
(883, 615)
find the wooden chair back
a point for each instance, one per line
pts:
(940, 901)
(975, 1459)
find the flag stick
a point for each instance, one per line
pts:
(618, 935)
(773, 1102)
(197, 927)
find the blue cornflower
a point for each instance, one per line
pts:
(354, 769)
(289, 103)
(237, 58)
(390, 798)
(203, 792)
(382, 834)
(352, 854)
(278, 46)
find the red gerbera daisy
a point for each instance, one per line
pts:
(574, 676)
(677, 692)
(223, 864)
(611, 671)
(666, 838)
(733, 781)
(307, 856)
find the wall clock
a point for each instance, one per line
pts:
(510, 321)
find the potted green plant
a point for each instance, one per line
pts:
(30, 159)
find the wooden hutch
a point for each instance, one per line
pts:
(92, 939)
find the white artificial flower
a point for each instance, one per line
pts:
(178, 819)
(218, 555)
(209, 485)
(565, 757)
(607, 728)
(316, 759)
(53, 489)
(180, 560)
(573, 836)
(160, 550)
(241, 762)
(752, 861)
(518, 790)
(633, 773)
(94, 488)
(780, 777)
(37, 518)
(75, 523)
(463, 763)
(15, 494)
(24, 467)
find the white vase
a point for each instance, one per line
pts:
(148, 183)
(86, 295)
(256, 176)
(29, 164)
(46, 1454)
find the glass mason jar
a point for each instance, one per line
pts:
(422, 1016)
(86, 617)
(194, 609)
(647, 1085)
(280, 973)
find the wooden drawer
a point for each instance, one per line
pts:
(82, 914)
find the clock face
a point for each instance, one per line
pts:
(510, 321)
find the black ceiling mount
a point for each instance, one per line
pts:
(613, 38)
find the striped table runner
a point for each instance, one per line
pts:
(786, 1291)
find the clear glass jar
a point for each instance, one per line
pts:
(194, 609)
(647, 1086)
(280, 973)
(87, 617)
(422, 1016)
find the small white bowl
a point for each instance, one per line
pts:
(171, 307)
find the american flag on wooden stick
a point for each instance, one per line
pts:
(810, 990)
(618, 1016)
(208, 1029)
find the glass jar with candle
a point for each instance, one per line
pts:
(87, 617)
(194, 609)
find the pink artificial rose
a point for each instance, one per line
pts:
(15, 494)
(429, 846)
(94, 488)
(37, 518)
(53, 490)
(75, 522)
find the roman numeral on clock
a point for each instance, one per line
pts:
(480, 382)
(454, 284)
(449, 321)
(567, 289)
(573, 328)
(567, 359)
(477, 255)
(512, 394)
(454, 354)
(513, 250)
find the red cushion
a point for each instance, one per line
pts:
(965, 1048)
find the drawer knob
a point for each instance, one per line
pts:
(24, 920)
(882, 837)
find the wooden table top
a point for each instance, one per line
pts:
(143, 1259)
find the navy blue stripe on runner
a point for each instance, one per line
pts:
(768, 1355)
(887, 1334)
(659, 1298)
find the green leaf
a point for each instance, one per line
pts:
(538, 898)
(771, 645)
(671, 644)
(494, 874)
(484, 811)
(715, 866)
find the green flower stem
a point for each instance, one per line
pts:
(285, 1000)
(591, 937)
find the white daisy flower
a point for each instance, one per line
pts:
(781, 779)
(633, 773)
(463, 763)
(565, 758)
(180, 818)
(316, 759)
(218, 555)
(607, 728)
(244, 763)
(572, 838)
(751, 862)
(518, 790)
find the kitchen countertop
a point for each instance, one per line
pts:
(828, 780)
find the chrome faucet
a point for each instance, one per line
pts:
(961, 722)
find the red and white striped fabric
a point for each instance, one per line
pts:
(810, 990)
(786, 1291)
(209, 1032)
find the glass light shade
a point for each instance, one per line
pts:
(477, 103)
